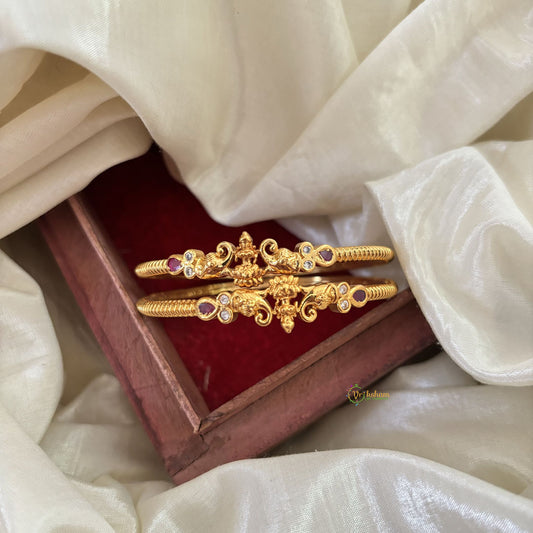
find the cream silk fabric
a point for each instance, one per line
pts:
(378, 121)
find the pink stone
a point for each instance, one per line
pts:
(327, 255)
(174, 264)
(206, 308)
(359, 295)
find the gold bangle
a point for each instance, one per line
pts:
(240, 262)
(225, 301)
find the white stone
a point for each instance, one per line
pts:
(189, 272)
(225, 315)
(224, 299)
(188, 256)
(306, 249)
(343, 289)
(308, 265)
(344, 305)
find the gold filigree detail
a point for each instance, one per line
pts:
(284, 297)
(318, 297)
(252, 303)
(265, 283)
(279, 260)
(240, 263)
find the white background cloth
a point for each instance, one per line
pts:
(281, 109)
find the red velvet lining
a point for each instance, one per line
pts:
(148, 215)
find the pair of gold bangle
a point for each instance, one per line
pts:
(283, 286)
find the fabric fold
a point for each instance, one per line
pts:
(31, 376)
(462, 226)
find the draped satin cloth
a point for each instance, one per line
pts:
(351, 122)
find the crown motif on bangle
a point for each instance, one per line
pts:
(241, 262)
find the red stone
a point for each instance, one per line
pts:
(206, 308)
(359, 295)
(327, 255)
(174, 264)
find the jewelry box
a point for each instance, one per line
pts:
(208, 393)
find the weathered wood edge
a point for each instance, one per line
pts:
(154, 377)
(313, 392)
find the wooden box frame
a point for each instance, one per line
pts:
(190, 438)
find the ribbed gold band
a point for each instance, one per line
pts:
(149, 269)
(369, 255)
(377, 254)
(304, 260)
(285, 297)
